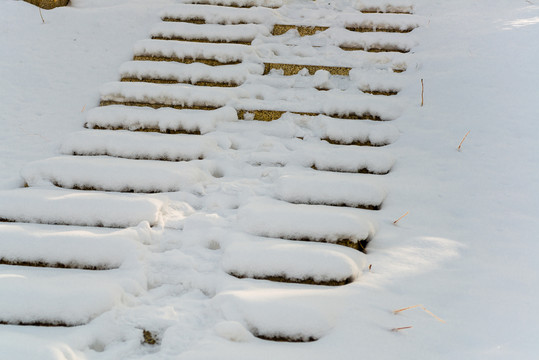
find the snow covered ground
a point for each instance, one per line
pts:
(466, 251)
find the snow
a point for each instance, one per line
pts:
(165, 119)
(280, 219)
(465, 251)
(262, 258)
(48, 205)
(73, 246)
(110, 174)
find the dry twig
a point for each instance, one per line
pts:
(40, 14)
(421, 307)
(464, 138)
(401, 328)
(422, 91)
(396, 221)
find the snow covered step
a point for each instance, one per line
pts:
(325, 158)
(67, 247)
(333, 189)
(68, 207)
(195, 73)
(293, 69)
(189, 52)
(216, 14)
(104, 173)
(388, 7)
(255, 98)
(139, 146)
(293, 262)
(179, 96)
(283, 312)
(337, 105)
(166, 120)
(278, 219)
(240, 3)
(371, 42)
(209, 33)
(363, 26)
(61, 297)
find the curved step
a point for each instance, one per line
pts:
(208, 33)
(189, 52)
(280, 312)
(166, 120)
(56, 207)
(216, 14)
(278, 219)
(273, 4)
(60, 297)
(293, 69)
(139, 146)
(333, 189)
(67, 247)
(196, 73)
(246, 99)
(324, 158)
(285, 261)
(103, 173)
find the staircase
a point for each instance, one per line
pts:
(257, 130)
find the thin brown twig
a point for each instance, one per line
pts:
(464, 138)
(401, 328)
(421, 307)
(422, 92)
(396, 221)
(40, 14)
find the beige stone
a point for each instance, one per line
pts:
(48, 4)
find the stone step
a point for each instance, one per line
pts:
(190, 52)
(308, 30)
(250, 102)
(140, 146)
(160, 119)
(74, 248)
(211, 14)
(272, 4)
(104, 173)
(61, 297)
(55, 206)
(292, 262)
(278, 219)
(195, 73)
(208, 33)
(253, 304)
(331, 189)
(271, 115)
(293, 69)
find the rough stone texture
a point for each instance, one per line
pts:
(48, 4)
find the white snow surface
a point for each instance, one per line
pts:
(465, 251)
(55, 206)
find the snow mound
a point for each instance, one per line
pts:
(260, 258)
(297, 314)
(210, 32)
(330, 189)
(138, 145)
(116, 174)
(233, 331)
(165, 119)
(56, 206)
(78, 296)
(73, 247)
(272, 218)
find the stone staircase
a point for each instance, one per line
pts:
(276, 122)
